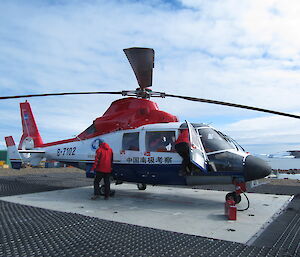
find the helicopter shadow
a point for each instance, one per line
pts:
(176, 199)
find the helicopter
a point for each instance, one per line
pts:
(143, 140)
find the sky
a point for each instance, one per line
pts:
(245, 52)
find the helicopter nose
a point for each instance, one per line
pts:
(256, 168)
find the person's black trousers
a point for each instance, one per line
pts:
(183, 150)
(98, 177)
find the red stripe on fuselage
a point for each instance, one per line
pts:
(60, 142)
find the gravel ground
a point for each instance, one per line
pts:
(32, 171)
(286, 182)
(30, 180)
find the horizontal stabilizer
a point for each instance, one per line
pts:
(31, 151)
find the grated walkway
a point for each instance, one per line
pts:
(31, 231)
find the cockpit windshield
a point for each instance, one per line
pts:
(213, 141)
(233, 142)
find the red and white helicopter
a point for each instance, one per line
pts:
(142, 138)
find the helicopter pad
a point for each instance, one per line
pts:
(184, 210)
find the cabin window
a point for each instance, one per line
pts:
(160, 141)
(131, 141)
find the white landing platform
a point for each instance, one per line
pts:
(185, 210)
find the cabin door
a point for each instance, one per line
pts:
(197, 154)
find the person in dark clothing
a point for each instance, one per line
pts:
(103, 167)
(182, 147)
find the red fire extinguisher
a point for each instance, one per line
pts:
(230, 210)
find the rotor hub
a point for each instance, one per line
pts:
(144, 93)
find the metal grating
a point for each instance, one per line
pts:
(32, 183)
(11, 187)
(31, 231)
(284, 232)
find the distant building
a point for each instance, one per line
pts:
(295, 153)
(4, 160)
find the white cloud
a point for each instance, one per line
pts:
(243, 52)
(281, 132)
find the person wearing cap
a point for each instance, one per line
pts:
(103, 167)
(182, 147)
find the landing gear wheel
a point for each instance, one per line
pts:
(102, 191)
(141, 186)
(238, 198)
(234, 196)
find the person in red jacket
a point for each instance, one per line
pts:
(182, 147)
(103, 167)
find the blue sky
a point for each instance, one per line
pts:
(236, 51)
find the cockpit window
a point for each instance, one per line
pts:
(232, 141)
(160, 141)
(213, 141)
(131, 141)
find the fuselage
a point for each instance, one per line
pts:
(143, 141)
(137, 160)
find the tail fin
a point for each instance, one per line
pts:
(13, 153)
(31, 137)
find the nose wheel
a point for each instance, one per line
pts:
(233, 196)
(240, 187)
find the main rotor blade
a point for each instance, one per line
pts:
(142, 63)
(189, 98)
(56, 94)
(195, 99)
